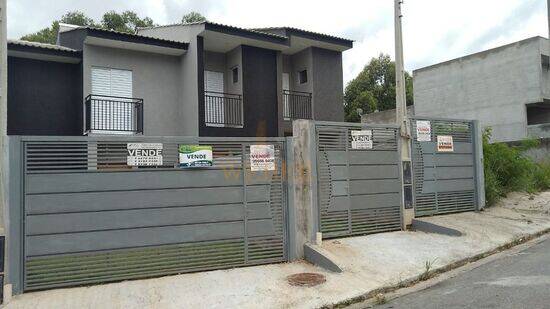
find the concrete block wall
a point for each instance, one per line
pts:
(492, 86)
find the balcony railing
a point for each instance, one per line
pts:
(223, 109)
(297, 105)
(113, 115)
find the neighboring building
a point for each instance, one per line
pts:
(200, 79)
(506, 88)
(385, 117)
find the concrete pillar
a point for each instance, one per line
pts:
(303, 211)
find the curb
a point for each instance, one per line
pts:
(433, 273)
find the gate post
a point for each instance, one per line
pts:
(13, 217)
(477, 136)
(303, 212)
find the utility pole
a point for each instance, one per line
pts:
(548, 16)
(401, 117)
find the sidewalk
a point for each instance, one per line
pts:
(369, 263)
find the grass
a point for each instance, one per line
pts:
(508, 169)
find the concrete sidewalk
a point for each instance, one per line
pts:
(369, 263)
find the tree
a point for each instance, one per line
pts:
(128, 21)
(192, 17)
(49, 35)
(374, 89)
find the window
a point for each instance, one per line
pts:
(112, 112)
(235, 75)
(302, 76)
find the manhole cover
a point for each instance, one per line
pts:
(306, 279)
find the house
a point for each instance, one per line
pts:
(199, 79)
(507, 88)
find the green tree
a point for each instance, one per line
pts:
(192, 17)
(127, 21)
(49, 34)
(374, 88)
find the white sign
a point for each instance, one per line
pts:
(144, 154)
(445, 143)
(262, 158)
(423, 131)
(361, 139)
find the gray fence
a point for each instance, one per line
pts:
(359, 188)
(446, 180)
(86, 217)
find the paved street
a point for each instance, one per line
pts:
(520, 280)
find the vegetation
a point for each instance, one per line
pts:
(508, 169)
(374, 89)
(192, 17)
(127, 21)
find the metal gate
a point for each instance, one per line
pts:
(444, 178)
(359, 190)
(86, 217)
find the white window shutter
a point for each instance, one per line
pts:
(112, 115)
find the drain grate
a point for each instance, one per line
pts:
(306, 279)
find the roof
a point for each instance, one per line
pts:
(251, 33)
(276, 34)
(42, 49)
(308, 34)
(129, 37)
(40, 45)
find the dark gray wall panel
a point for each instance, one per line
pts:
(44, 97)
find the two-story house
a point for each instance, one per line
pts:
(199, 79)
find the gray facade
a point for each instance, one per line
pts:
(165, 95)
(156, 79)
(506, 88)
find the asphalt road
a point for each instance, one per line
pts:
(519, 280)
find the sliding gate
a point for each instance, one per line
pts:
(359, 179)
(444, 157)
(87, 217)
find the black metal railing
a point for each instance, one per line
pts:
(223, 109)
(111, 115)
(297, 105)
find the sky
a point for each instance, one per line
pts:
(434, 30)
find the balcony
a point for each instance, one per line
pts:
(223, 109)
(113, 115)
(296, 105)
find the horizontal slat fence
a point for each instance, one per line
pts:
(90, 218)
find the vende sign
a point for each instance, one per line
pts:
(262, 158)
(144, 154)
(423, 131)
(445, 143)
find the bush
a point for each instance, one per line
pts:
(507, 169)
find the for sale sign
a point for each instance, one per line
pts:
(361, 139)
(423, 131)
(144, 154)
(195, 156)
(445, 143)
(262, 158)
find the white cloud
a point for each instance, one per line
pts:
(435, 30)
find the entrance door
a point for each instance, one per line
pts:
(214, 100)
